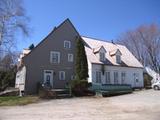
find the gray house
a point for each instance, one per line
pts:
(52, 61)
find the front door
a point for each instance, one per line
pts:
(48, 77)
(136, 79)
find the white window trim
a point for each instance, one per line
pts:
(103, 57)
(109, 81)
(118, 60)
(44, 79)
(117, 77)
(99, 80)
(51, 56)
(123, 81)
(70, 60)
(69, 44)
(63, 74)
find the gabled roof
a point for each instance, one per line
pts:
(95, 50)
(67, 21)
(127, 57)
(114, 52)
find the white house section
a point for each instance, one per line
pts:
(89, 72)
(20, 79)
(126, 75)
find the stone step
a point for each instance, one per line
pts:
(63, 95)
(61, 91)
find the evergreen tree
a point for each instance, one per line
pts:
(31, 47)
(81, 61)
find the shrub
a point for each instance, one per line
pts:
(147, 80)
(45, 91)
(46, 94)
(7, 79)
(80, 88)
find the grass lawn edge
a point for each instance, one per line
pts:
(17, 100)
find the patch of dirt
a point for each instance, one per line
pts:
(141, 105)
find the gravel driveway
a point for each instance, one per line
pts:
(141, 105)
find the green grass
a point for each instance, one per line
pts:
(16, 100)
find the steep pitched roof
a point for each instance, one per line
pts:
(67, 21)
(127, 57)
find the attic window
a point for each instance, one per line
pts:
(67, 44)
(118, 59)
(116, 54)
(102, 56)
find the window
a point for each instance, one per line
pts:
(55, 57)
(116, 77)
(108, 78)
(102, 56)
(118, 59)
(70, 57)
(61, 75)
(123, 77)
(98, 77)
(67, 44)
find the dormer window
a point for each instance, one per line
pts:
(102, 56)
(116, 54)
(118, 59)
(100, 52)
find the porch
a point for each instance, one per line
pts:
(54, 93)
(111, 89)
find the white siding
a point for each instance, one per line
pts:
(20, 79)
(128, 70)
(89, 72)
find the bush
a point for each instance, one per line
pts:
(80, 88)
(147, 80)
(7, 79)
(46, 94)
(45, 91)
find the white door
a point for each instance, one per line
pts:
(136, 79)
(48, 77)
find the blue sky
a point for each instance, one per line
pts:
(103, 19)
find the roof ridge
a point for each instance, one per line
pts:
(97, 39)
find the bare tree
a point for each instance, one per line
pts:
(7, 62)
(144, 43)
(12, 20)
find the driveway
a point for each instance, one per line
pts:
(141, 105)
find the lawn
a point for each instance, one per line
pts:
(16, 100)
